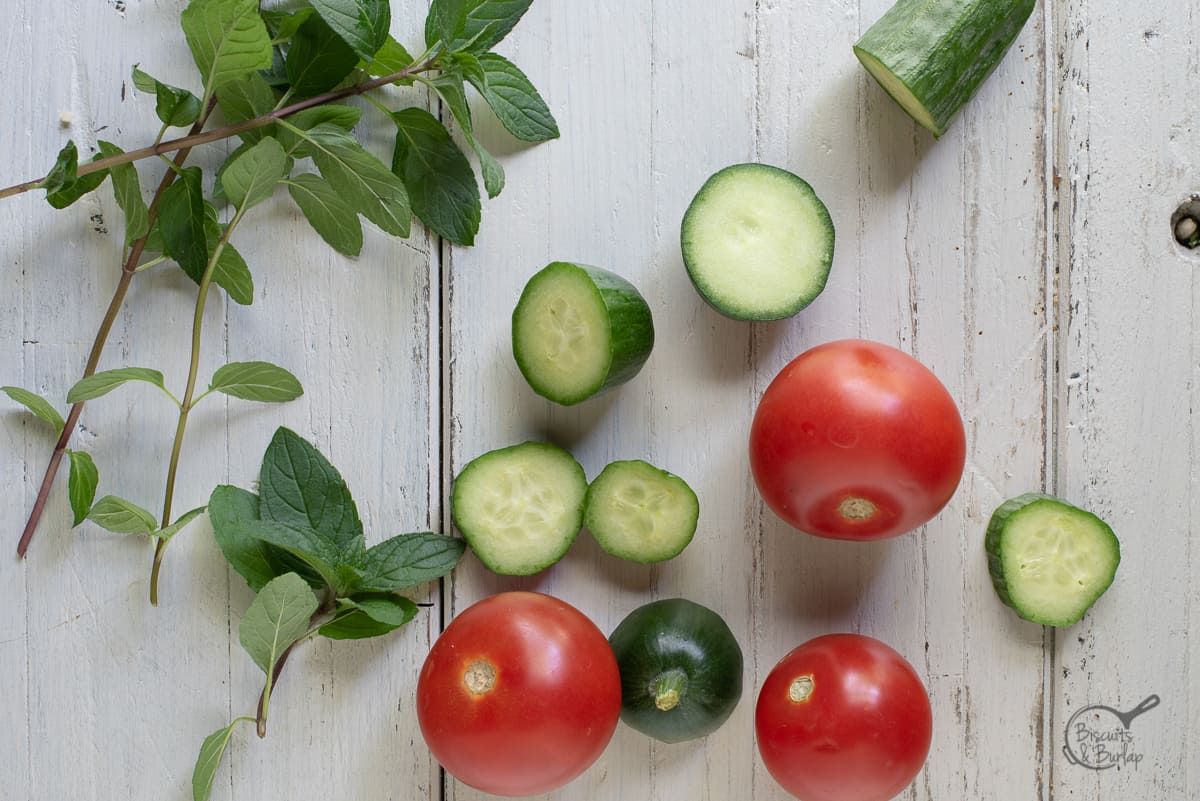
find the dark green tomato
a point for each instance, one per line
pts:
(681, 670)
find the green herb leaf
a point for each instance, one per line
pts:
(231, 273)
(277, 617)
(360, 178)
(369, 615)
(81, 486)
(38, 406)
(337, 566)
(247, 99)
(121, 516)
(282, 25)
(451, 89)
(256, 381)
(445, 21)
(62, 174)
(438, 176)
(181, 223)
(299, 487)
(390, 58)
(82, 185)
(100, 384)
(232, 512)
(211, 751)
(175, 107)
(362, 24)
(328, 213)
(251, 177)
(409, 559)
(228, 40)
(128, 192)
(179, 525)
(514, 100)
(487, 23)
(344, 117)
(318, 59)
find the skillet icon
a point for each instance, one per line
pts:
(1098, 737)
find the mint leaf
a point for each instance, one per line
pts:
(211, 751)
(100, 384)
(362, 24)
(487, 23)
(445, 21)
(81, 486)
(450, 88)
(121, 516)
(344, 117)
(318, 59)
(334, 565)
(80, 187)
(38, 406)
(390, 58)
(514, 100)
(250, 177)
(232, 512)
(62, 174)
(228, 40)
(360, 178)
(256, 381)
(439, 179)
(231, 273)
(181, 223)
(299, 487)
(409, 559)
(278, 616)
(128, 192)
(369, 615)
(167, 532)
(283, 26)
(328, 213)
(175, 107)
(247, 99)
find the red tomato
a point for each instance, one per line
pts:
(843, 718)
(856, 440)
(519, 695)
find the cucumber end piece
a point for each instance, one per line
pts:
(640, 513)
(900, 93)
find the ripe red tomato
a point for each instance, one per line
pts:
(519, 695)
(856, 440)
(843, 718)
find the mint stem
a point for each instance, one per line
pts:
(110, 316)
(195, 139)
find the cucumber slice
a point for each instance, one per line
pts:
(579, 330)
(757, 242)
(641, 513)
(932, 56)
(521, 507)
(1050, 561)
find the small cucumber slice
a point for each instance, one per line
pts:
(932, 56)
(579, 330)
(641, 513)
(521, 507)
(757, 242)
(1049, 560)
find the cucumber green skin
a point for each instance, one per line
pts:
(685, 237)
(670, 634)
(630, 324)
(943, 50)
(994, 544)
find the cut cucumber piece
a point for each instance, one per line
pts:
(579, 330)
(1050, 561)
(932, 56)
(641, 513)
(757, 242)
(520, 508)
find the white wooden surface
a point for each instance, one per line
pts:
(1025, 257)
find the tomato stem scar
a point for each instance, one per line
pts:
(480, 677)
(857, 509)
(800, 689)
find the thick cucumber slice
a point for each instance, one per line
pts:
(1050, 561)
(640, 513)
(757, 242)
(579, 330)
(520, 508)
(932, 56)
